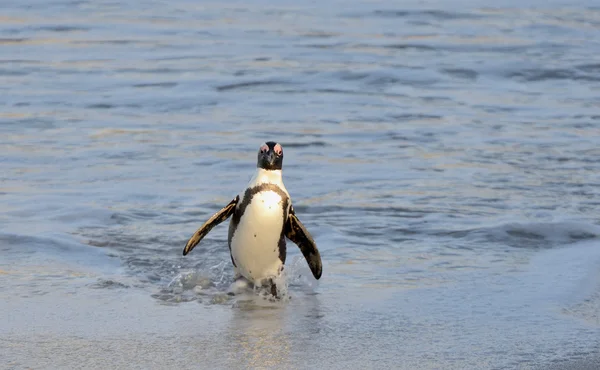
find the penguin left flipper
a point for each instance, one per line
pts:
(216, 219)
(297, 233)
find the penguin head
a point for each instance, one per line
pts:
(270, 156)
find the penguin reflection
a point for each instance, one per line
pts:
(258, 335)
(261, 333)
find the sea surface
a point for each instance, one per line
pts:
(445, 155)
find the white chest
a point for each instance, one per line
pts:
(256, 242)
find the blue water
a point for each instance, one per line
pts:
(444, 155)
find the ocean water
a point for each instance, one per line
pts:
(445, 155)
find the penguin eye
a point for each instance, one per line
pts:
(278, 150)
(264, 149)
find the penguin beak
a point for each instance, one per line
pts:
(270, 157)
(269, 160)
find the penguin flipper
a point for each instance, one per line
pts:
(297, 233)
(216, 219)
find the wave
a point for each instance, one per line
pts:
(537, 235)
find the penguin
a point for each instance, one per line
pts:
(262, 217)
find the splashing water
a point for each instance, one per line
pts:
(215, 285)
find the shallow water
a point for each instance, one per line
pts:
(444, 155)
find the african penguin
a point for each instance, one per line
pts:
(262, 217)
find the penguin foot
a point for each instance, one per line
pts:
(239, 286)
(268, 287)
(276, 294)
(274, 289)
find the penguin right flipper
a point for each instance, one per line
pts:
(216, 219)
(297, 233)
